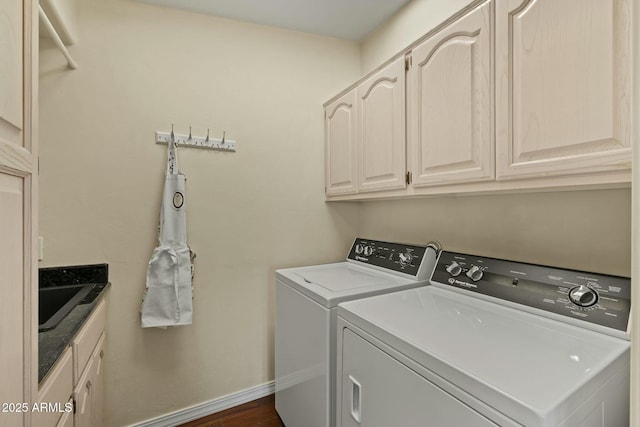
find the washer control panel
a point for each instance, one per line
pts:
(393, 256)
(590, 297)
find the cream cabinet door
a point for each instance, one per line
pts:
(381, 129)
(563, 87)
(17, 209)
(341, 123)
(450, 86)
(89, 391)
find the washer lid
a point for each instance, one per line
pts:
(525, 366)
(330, 284)
(336, 278)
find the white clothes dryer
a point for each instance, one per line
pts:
(491, 343)
(306, 303)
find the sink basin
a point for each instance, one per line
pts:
(57, 301)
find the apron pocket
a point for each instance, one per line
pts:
(160, 305)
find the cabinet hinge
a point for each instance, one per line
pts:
(407, 63)
(408, 178)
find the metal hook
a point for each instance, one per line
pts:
(224, 132)
(207, 140)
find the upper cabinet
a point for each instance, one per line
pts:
(506, 95)
(563, 93)
(450, 90)
(381, 129)
(341, 132)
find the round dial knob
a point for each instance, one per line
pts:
(368, 250)
(454, 269)
(359, 248)
(475, 273)
(583, 296)
(405, 258)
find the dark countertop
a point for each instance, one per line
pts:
(52, 343)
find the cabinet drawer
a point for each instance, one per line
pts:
(55, 392)
(87, 338)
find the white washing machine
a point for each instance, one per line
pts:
(491, 343)
(306, 302)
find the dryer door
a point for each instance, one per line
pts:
(377, 390)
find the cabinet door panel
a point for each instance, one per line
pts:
(89, 391)
(97, 400)
(451, 105)
(11, 66)
(56, 388)
(11, 296)
(381, 129)
(341, 138)
(563, 86)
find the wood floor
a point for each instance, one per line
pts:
(259, 413)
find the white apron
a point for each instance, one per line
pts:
(168, 294)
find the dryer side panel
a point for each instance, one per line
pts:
(301, 359)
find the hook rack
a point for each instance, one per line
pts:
(189, 140)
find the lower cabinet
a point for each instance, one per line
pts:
(72, 394)
(88, 353)
(54, 393)
(377, 390)
(89, 391)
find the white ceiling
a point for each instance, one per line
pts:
(346, 19)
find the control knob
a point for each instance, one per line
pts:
(369, 250)
(583, 295)
(359, 248)
(475, 273)
(405, 258)
(454, 269)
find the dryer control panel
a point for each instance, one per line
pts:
(595, 298)
(399, 257)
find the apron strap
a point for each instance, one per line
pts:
(172, 157)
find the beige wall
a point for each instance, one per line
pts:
(589, 230)
(584, 230)
(142, 68)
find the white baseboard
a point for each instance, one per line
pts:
(211, 407)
